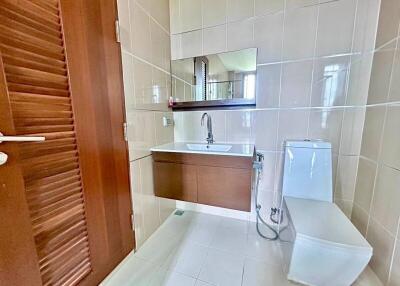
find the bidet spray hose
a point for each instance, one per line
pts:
(258, 166)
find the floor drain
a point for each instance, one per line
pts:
(179, 212)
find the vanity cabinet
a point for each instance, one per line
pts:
(222, 181)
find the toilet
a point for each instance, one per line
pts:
(320, 245)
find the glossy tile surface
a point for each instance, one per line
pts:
(204, 250)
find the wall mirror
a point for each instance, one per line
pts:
(220, 80)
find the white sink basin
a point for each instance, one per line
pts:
(211, 147)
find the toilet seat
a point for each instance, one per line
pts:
(324, 222)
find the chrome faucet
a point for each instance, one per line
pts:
(210, 136)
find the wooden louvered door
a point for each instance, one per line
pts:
(64, 202)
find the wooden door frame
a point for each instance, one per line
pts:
(94, 60)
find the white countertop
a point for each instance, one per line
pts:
(243, 150)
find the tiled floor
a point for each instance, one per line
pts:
(202, 250)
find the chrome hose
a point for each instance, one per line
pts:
(258, 168)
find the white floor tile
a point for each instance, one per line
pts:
(257, 273)
(187, 259)
(217, 251)
(222, 269)
(201, 233)
(134, 271)
(237, 225)
(202, 283)
(228, 239)
(170, 278)
(157, 248)
(368, 278)
(264, 250)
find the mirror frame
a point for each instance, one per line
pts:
(235, 103)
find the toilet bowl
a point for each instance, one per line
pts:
(320, 245)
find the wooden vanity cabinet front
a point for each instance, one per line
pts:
(222, 181)
(175, 181)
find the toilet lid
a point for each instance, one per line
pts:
(323, 221)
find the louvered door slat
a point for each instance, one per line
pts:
(33, 56)
(31, 11)
(18, 52)
(21, 28)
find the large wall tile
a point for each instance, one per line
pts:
(290, 4)
(143, 83)
(365, 25)
(385, 203)
(383, 243)
(330, 81)
(268, 85)
(215, 40)
(265, 129)
(359, 218)
(193, 43)
(391, 138)
(389, 18)
(190, 15)
(371, 143)
(164, 134)
(346, 177)
(240, 9)
(160, 47)
(335, 18)
(124, 25)
(238, 126)
(352, 130)
(127, 69)
(365, 183)
(326, 124)
(141, 134)
(214, 12)
(300, 32)
(296, 84)
(241, 34)
(175, 16)
(395, 273)
(264, 7)
(159, 10)
(359, 79)
(394, 94)
(293, 125)
(268, 34)
(140, 28)
(381, 75)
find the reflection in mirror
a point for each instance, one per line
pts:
(227, 79)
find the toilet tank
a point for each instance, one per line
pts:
(307, 172)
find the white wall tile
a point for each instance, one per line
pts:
(215, 40)
(240, 35)
(268, 34)
(240, 9)
(268, 85)
(214, 12)
(193, 43)
(265, 129)
(300, 33)
(335, 18)
(296, 84)
(124, 25)
(191, 15)
(330, 81)
(238, 126)
(140, 28)
(264, 7)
